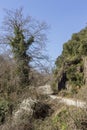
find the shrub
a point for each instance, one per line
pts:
(4, 110)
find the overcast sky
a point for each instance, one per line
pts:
(64, 17)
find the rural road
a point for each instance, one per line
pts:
(69, 102)
(46, 89)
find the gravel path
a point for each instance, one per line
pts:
(70, 102)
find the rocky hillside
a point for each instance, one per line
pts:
(71, 65)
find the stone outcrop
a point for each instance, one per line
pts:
(45, 90)
(25, 110)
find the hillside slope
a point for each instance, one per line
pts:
(71, 65)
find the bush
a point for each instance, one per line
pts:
(4, 110)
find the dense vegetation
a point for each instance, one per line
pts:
(70, 64)
(19, 79)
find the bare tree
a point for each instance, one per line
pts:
(26, 38)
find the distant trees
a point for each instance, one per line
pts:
(27, 38)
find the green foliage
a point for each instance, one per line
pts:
(60, 120)
(59, 61)
(4, 109)
(19, 48)
(74, 76)
(83, 47)
(17, 44)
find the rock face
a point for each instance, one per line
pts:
(25, 110)
(30, 108)
(85, 70)
(28, 111)
(46, 89)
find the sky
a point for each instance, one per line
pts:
(64, 17)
